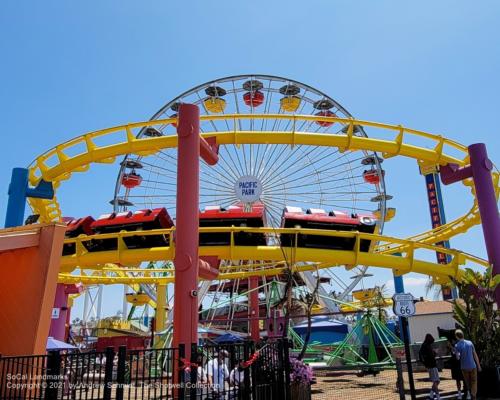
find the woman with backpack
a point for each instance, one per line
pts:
(427, 356)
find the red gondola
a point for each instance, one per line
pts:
(325, 113)
(254, 98)
(315, 218)
(371, 176)
(131, 180)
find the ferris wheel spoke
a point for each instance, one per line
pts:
(236, 102)
(273, 211)
(349, 172)
(292, 169)
(276, 164)
(324, 183)
(154, 166)
(229, 199)
(336, 278)
(169, 156)
(309, 162)
(221, 176)
(157, 183)
(158, 173)
(325, 170)
(226, 168)
(220, 180)
(234, 167)
(267, 106)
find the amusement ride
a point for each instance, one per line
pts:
(291, 188)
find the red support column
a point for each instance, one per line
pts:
(253, 284)
(187, 222)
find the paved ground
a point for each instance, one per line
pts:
(344, 385)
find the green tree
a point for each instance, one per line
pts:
(477, 313)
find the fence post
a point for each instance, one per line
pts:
(246, 372)
(108, 372)
(254, 372)
(180, 370)
(409, 366)
(286, 355)
(400, 380)
(120, 372)
(279, 370)
(53, 375)
(194, 372)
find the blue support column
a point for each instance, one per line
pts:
(17, 198)
(399, 287)
(19, 191)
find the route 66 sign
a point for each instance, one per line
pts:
(403, 304)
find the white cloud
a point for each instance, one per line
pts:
(414, 285)
(408, 282)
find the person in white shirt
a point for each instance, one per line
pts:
(218, 374)
(237, 379)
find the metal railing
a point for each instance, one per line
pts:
(236, 371)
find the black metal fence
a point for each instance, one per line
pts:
(233, 371)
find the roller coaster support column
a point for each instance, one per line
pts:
(161, 308)
(438, 218)
(399, 287)
(190, 147)
(480, 170)
(254, 307)
(19, 191)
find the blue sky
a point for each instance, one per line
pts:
(71, 67)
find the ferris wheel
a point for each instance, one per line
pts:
(306, 177)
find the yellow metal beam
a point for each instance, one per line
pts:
(279, 255)
(56, 165)
(161, 307)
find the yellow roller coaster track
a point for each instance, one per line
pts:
(79, 153)
(284, 256)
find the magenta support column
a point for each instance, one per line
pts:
(254, 307)
(488, 209)
(480, 170)
(61, 316)
(59, 313)
(186, 234)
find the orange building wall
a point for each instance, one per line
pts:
(29, 264)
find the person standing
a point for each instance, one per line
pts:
(428, 356)
(218, 374)
(456, 369)
(237, 380)
(469, 362)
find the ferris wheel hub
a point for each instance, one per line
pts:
(248, 188)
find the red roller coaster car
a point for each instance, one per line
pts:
(74, 228)
(315, 218)
(142, 220)
(235, 215)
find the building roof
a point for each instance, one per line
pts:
(433, 307)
